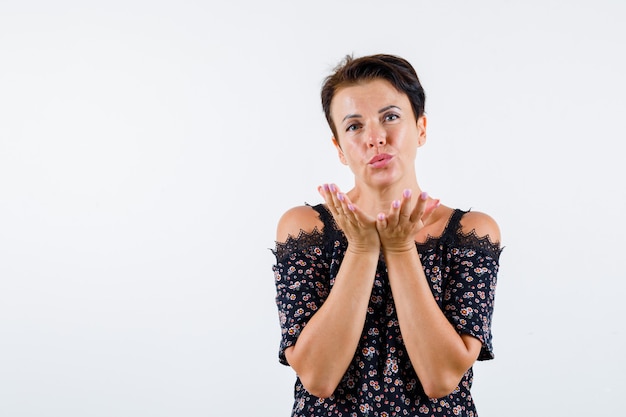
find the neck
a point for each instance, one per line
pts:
(373, 200)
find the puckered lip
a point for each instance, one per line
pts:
(380, 157)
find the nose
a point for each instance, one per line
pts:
(377, 136)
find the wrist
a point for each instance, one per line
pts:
(408, 248)
(363, 248)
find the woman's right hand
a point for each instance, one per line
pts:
(358, 227)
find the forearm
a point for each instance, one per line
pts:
(440, 356)
(328, 342)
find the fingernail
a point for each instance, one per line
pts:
(406, 193)
(395, 204)
(340, 197)
(333, 188)
(381, 216)
(350, 207)
(424, 195)
(326, 188)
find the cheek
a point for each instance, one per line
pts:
(353, 152)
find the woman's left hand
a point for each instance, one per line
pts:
(398, 227)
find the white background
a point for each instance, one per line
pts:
(148, 148)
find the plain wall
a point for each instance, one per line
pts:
(148, 149)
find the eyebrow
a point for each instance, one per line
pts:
(384, 109)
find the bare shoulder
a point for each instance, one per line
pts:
(296, 220)
(482, 225)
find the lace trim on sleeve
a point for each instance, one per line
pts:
(300, 243)
(482, 243)
(453, 235)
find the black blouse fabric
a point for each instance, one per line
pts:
(461, 270)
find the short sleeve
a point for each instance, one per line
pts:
(302, 285)
(470, 293)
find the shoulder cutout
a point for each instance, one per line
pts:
(297, 220)
(482, 225)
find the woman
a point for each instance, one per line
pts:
(385, 296)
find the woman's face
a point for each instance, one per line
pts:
(378, 135)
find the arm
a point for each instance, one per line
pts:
(439, 354)
(326, 345)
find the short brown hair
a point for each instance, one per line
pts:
(350, 71)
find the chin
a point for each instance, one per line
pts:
(383, 181)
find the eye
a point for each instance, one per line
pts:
(390, 117)
(352, 127)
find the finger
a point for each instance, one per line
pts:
(322, 190)
(381, 221)
(430, 208)
(346, 205)
(405, 209)
(338, 198)
(338, 201)
(392, 217)
(326, 191)
(352, 213)
(359, 217)
(418, 211)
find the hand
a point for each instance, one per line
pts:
(398, 227)
(358, 227)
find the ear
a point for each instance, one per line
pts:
(421, 131)
(342, 157)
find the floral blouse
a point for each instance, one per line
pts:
(461, 270)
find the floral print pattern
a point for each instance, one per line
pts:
(461, 270)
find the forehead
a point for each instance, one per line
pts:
(365, 95)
